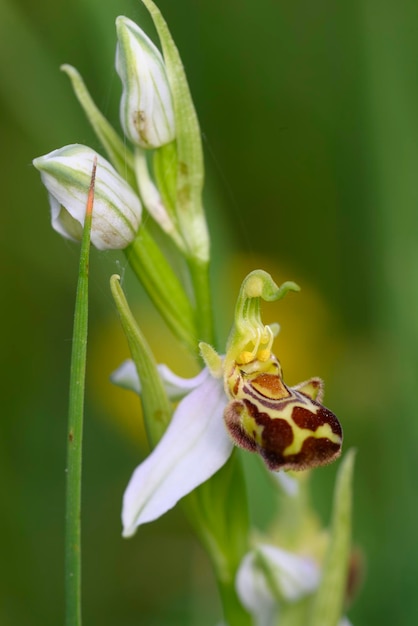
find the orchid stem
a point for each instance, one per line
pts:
(163, 287)
(199, 272)
(75, 427)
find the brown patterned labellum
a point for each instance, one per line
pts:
(287, 426)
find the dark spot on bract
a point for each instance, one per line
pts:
(183, 168)
(184, 194)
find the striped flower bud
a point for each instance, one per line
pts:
(146, 108)
(117, 209)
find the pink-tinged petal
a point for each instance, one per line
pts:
(176, 387)
(193, 448)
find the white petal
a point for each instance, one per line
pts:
(293, 576)
(176, 387)
(194, 447)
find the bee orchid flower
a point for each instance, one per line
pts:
(237, 399)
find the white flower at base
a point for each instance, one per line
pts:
(269, 574)
(146, 108)
(117, 209)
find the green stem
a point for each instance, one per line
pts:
(199, 272)
(75, 429)
(218, 513)
(163, 287)
(234, 612)
(224, 565)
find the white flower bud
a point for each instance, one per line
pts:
(146, 108)
(269, 575)
(66, 174)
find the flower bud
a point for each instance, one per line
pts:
(146, 108)
(269, 576)
(117, 209)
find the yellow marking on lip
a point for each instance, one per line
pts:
(301, 434)
(252, 429)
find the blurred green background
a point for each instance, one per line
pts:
(309, 118)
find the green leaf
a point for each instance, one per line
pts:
(153, 200)
(189, 177)
(328, 603)
(163, 287)
(75, 426)
(120, 157)
(155, 404)
(190, 167)
(165, 173)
